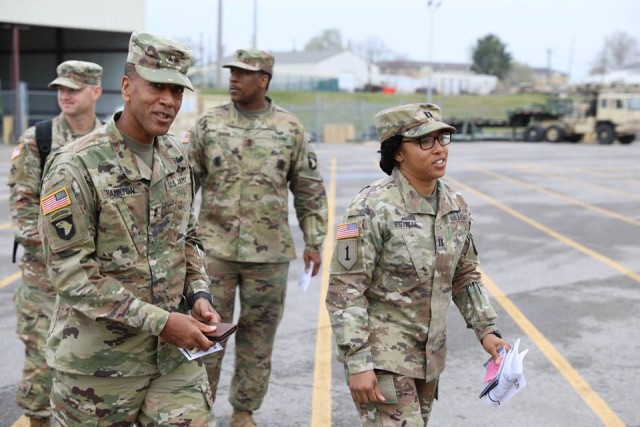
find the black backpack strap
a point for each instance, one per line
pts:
(43, 140)
(15, 251)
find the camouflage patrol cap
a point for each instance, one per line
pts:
(160, 60)
(252, 60)
(410, 120)
(77, 74)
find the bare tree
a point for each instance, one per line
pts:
(619, 50)
(329, 39)
(373, 49)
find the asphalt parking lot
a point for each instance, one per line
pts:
(557, 227)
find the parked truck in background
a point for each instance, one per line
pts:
(608, 116)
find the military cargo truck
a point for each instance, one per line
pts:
(608, 116)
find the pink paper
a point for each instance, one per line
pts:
(492, 370)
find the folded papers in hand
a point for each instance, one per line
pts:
(503, 380)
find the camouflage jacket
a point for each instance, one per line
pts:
(243, 166)
(24, 183)
(119, 250)
(395, 268)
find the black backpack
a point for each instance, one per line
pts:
(43, 141)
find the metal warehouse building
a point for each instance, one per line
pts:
(37, 35)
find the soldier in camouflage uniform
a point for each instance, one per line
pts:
(78, 86)
(244, 154)
(122, 252)
(402, 253)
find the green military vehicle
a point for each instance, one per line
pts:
(609, 116)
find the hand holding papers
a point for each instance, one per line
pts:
(305, 277)
(191, 355)
(504, 380)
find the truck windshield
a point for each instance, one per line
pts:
(633, 104)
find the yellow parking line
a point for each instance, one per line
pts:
(10, 279)
(584, 390)
(5, 226)
(546, 173)
(21, 422)
(568, 199)
(554, 234)
(321, 400)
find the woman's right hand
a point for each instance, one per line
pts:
(364, 388)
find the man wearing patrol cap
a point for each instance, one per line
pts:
(244, 154)
(78, 86)
(122, 252)
(403, 251)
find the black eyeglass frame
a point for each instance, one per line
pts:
(428, 142)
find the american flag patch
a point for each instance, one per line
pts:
(55, 201)
(347, 230)
(186, 138)
(16, 151)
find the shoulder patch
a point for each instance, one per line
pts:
(347, 230)
(54, 201)
(186, 137)
(16, 151)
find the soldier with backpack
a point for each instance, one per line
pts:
(79, 86)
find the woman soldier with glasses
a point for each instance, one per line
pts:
(403, 252)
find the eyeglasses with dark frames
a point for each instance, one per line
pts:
(427, 142)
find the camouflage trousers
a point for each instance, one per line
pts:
(34, 300)
(180, 398)
(414, 402)
(262, 289)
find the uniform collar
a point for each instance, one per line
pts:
(416, 203)
(163, 163)
(236, 119)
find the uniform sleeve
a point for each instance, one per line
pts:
(309, 196)
(68, 230)
(352, 265)
(197, 157)
(469, 294)
(24, 192)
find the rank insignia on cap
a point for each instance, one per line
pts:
(347, 230)
(16, 151)
(55, 201)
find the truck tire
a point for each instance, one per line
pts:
(605, 134)
(533, 133)
(627, 139)
(554, 133)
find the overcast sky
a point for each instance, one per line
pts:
(573, 30)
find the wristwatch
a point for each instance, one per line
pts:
(200, 294)
(496, 333)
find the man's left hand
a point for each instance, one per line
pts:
(204, 312)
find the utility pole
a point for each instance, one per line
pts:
(431, 6)
(219, 48)
(549, 66)
(254, 44)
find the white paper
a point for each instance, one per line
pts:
(191, 356)
(305, 277)
(510, 380)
